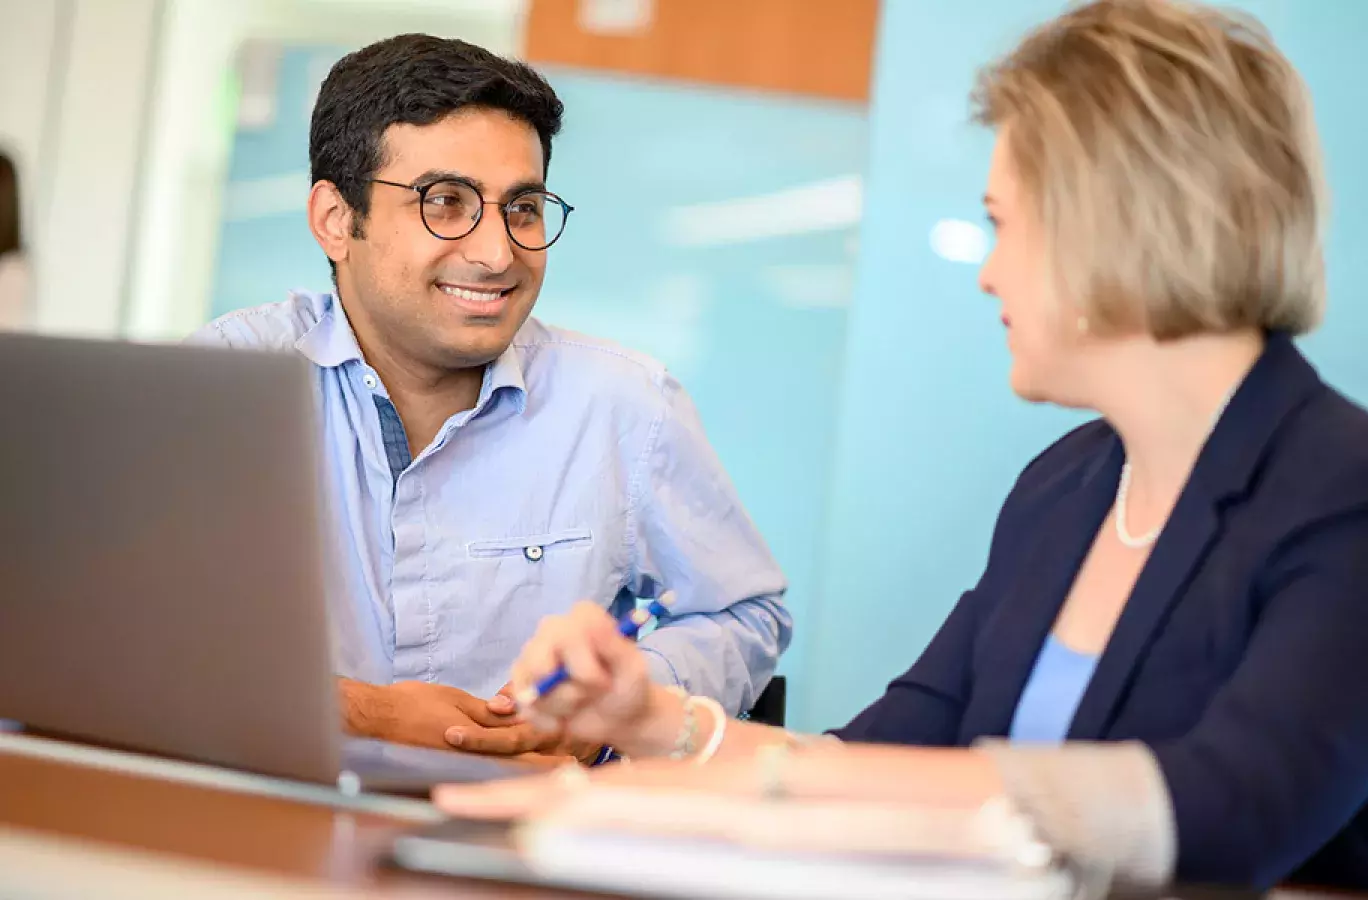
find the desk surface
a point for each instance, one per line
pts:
(79, 821)
(68, 823)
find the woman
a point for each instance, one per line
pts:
(14, 273)
(1172, 629)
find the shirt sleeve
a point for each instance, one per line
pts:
(210, 335)
(690, 534)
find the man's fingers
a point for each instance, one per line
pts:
(548, 761)
(498, 711)
(486, 715)
(502, 703)
(482, 715)
(507, 741)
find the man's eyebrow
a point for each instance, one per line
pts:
(522, 187)
(434, 175)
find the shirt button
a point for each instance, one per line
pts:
(533, 553)
(370, 381)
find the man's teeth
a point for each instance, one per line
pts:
(472, 296)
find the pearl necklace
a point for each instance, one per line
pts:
(1139, 542)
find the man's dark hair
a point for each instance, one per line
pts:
(414, 79)
(10, 240)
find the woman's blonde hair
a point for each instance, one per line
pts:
(1172, 155)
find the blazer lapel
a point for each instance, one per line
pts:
(1190, 531)
(1043, 574)
(1279, 383)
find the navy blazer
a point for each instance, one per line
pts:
(1241, 657)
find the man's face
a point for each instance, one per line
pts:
(440, 304)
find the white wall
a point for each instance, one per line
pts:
(28, 35)
(74, 76)
(93, 165)
(117, 114)
(187, 159)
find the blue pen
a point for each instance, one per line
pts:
(628, 626)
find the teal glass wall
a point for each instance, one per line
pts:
(716, 232)
(265, 248)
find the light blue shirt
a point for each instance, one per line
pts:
(1052, 694)
(582, 473)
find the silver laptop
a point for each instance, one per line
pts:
(161, 584)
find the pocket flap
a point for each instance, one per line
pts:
(532, 544)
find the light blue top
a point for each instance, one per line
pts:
(1052, 693)
(582, 473)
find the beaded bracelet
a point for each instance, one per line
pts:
(688, 729)
(719, 731)
(686, 743)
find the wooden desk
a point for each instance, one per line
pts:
(105, 826)
(67, 824)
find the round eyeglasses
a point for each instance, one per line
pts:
(452, 208)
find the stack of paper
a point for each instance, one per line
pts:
(682, 844)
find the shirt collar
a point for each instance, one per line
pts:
(330, 342)
(505, 373)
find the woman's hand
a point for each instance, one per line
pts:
(916, 777)
(608, 698)
(608, 691)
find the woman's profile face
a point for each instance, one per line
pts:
(1041, 335)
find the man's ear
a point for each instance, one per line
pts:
(330, 220)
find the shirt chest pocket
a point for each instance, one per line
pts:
(550, 569)
(534, 551)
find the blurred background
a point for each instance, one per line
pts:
(778, 198)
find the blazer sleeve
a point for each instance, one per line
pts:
(1278, 764)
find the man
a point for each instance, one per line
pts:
(485, 469)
